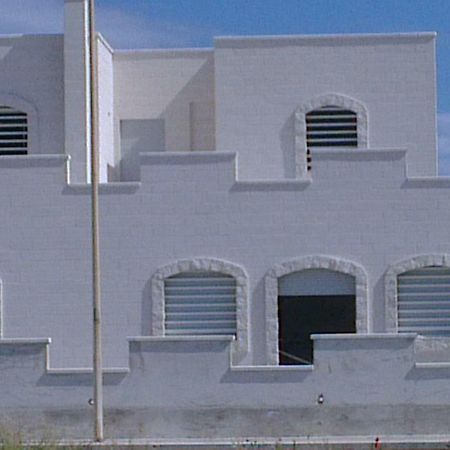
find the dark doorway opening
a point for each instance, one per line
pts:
(301, 316)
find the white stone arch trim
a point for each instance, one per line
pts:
(311, 262)
(317, 102)
(21, 104)
(390, 282)
(241, 346)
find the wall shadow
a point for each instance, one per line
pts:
(178, 110)
(253, 376)
(378, 310)
(146, 309)
(287, 145)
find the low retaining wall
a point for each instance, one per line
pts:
(180, 388)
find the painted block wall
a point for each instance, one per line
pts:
(366, 206)
(261, 81)
(32, 72)
(163, 84)
(54, 258)
(359, 206)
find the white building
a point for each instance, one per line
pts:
(253, 194)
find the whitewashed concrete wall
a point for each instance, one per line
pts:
(359, 207)
(106, 111)
(32, 74)
(261, 81)
(48, 246)
(174, 85)
(176, 389)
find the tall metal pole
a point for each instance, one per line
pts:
(97, 353)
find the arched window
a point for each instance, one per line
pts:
(202, 296)
(417, 295)
(423, 301)
(331, 120)
(200, 303)
(330, 126)
(13, 131)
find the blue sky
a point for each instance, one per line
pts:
(193, 23)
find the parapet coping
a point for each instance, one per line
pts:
(438, 181)
(151, 53)
(106, 44)
(15, 341)
(104, 188)
(34, 159)
(322, 39)
(31, 35)
(201, 338)
(87, 371)
(186, 157)
(362, 336)
(273, 183)
(432, 365)
(273, 368)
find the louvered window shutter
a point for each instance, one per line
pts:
(424, 301)
(199, 303)
(13, 132)
(330, 126)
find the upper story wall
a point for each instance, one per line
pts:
(260, 82)
(190, 207)
(170, 91)
(32, 80)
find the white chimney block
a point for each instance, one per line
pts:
(76, 88)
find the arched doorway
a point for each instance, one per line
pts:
(313, 301)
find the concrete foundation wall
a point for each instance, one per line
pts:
(359, 387)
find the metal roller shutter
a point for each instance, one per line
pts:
(200, 303)
(13, 131)
(424, 301)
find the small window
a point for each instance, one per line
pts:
(200, 303)
(13, 131)
(330, 126)
(424, 301)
